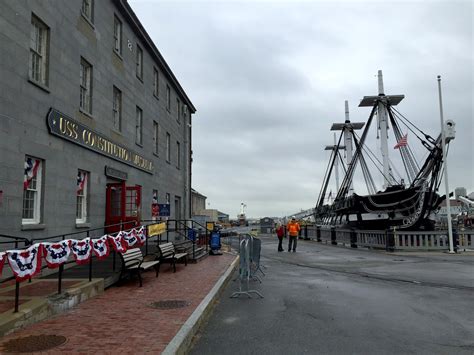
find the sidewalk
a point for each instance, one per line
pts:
(123, 319)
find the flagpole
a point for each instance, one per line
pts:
(445, 160)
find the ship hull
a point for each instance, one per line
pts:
(396, 207)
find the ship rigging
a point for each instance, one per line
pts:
(403, 204)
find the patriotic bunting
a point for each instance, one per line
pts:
(117, 243)
(56, 254)
(141, 235)
(31, 169)
(81, 250)
(81, 181)
(25, 263)
(130, 238)
(3, 257)
(101, 247)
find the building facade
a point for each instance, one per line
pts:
(94, 126)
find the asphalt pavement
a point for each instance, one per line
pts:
(334, 300)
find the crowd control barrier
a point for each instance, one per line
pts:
(249, 250)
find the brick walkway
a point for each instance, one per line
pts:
(122, 321)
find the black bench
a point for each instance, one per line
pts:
(168, 254)
(133, 262)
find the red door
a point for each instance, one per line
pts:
(123, 205)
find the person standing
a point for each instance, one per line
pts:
(293, 230)
(280, 231)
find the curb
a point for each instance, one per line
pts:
(181, 341)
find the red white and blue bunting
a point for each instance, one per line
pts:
(129, 238)
(117, 243)
(27, 263)
(81, 250)
(141, 235)
(31, 169)
(101, 247)
(56, 254)
(3, 257)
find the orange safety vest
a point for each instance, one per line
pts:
(293, 228)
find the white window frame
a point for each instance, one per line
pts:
(139, 63)
(168, 147)
(37, 192)
(85, 100)
(39, 51)
(84, 200)
(87, 10)
(156, 83)
(118, 35)
(117, 109)
(139, 126)
(156, 137)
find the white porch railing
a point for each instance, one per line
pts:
(397, 240)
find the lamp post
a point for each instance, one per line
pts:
(445, 157)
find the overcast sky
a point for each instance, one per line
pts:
(268, 78)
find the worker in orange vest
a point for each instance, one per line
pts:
(293, 228)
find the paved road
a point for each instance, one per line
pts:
(333, 300)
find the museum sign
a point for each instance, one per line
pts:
(67, 128)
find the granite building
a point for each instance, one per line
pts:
(94, 126)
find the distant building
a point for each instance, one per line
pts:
(198, 202)
(267, 225)
(460, 191)
(222, 217)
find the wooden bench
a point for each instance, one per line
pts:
(168, 254)
(133, 262)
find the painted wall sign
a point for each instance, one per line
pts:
(67, 128)
(116, 174)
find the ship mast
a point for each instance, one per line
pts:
(383, 126)
(347, 128)
(382, 101)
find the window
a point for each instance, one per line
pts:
(155, 196)
(168, 98)
(139, 63)
(81, 198)
(178, 110)
(156, 82)
(168, 198)
(118, 35)
(138, 127)
(168, 150)
(85, 101)
(156, 133)
(88, 10)
(39, 41)
(117, 108)
(178, 155)
(32, 191)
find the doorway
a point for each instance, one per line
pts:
(122, 204)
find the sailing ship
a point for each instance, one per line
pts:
(403, 204)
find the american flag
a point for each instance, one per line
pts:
(402, 142)
(31, 169)
(81, 180)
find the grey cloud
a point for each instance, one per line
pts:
(269, 78)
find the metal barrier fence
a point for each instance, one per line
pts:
(249, 250)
